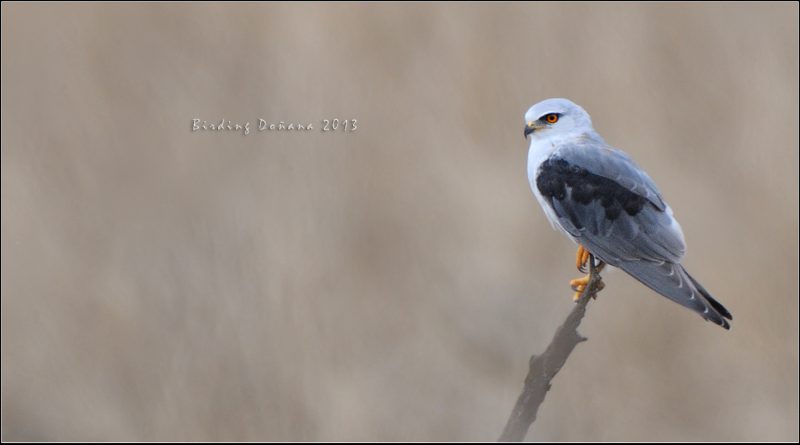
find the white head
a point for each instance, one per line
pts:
(558, 118)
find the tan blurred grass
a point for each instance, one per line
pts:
(388, 284)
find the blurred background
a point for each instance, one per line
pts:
(389, 283)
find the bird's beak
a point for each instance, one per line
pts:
(530, 128)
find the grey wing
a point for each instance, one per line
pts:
(615, 201)
(647, 235)
(623, 221)
(613, 164)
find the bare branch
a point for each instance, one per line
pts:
(544, 367)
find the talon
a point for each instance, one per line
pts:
(581, 258)
(579, 282)
(578, 285)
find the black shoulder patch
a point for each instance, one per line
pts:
(558, 179)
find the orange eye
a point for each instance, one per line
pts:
(551, 118)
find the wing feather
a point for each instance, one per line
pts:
(613, 164)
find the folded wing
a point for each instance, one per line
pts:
(614, 209)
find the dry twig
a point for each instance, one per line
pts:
(544, 367)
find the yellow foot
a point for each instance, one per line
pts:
(578, 285)
(581, 258)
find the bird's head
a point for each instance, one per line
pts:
(556, 117)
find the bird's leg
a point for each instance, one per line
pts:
(579, 284)
(581, 257)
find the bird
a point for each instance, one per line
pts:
(600, 198)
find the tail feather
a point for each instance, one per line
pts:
(714, 303)
(672, 281)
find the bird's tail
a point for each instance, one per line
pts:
(672, 281)
(714, 303)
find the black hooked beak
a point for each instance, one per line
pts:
(528, 130)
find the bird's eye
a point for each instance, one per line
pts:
(551, 118)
